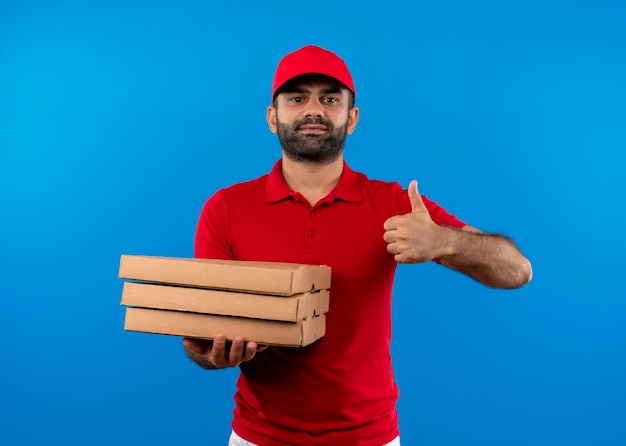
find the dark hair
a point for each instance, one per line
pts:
(311, 78)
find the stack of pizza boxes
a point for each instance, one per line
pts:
(282, 304)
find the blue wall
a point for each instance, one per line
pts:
(119, 118)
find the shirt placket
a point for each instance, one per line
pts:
(310, 230)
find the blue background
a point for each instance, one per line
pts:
(119, 118)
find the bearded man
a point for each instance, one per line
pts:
(312, 208)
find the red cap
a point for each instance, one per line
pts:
(312, 60)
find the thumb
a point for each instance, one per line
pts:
(415, 198)
(196, 345)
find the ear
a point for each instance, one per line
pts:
(271, 118)
(353, 119)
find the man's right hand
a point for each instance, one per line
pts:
(219, 354)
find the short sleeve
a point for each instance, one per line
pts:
(212, 239)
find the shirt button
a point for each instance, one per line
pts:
(311, 233)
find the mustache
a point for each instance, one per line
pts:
(311, 121)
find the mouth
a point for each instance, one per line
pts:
(312, 129)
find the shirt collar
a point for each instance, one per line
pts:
(347, 189)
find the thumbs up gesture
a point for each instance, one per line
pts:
(414, 237)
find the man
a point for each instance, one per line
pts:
(313, 209)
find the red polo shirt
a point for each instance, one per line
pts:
(339, 390)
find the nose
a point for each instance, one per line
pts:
(314, 109)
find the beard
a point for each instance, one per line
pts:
(312, 148)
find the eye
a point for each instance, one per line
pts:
(330, 100)
(296, 99)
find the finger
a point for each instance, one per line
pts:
(235, 355)
(252, 348)
(392, 248)
(218, 350)
(390, 235)
(388, 225)
(219, 342)
(249, 351)
(417, 204)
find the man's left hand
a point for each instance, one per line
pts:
(414, 237)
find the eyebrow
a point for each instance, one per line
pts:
(298, 89)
